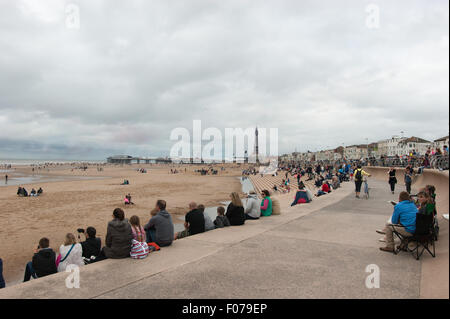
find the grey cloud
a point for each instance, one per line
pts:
(136, 70)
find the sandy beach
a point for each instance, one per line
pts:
(69, 203)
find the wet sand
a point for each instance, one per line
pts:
(70, 204)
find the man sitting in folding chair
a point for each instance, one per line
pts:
(405, 215)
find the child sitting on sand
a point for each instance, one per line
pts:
(127, 200)
(221, 220)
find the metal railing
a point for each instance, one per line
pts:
(440, 162)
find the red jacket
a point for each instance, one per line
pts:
(325, 188)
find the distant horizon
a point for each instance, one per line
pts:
(103, 158)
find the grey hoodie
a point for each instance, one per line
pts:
(253, 207)
(162, 222)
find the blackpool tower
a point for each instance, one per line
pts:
(256, 145)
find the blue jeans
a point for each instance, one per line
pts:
(151, 235)
(29, 272)
(2, 280)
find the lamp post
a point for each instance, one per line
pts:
(367, 145)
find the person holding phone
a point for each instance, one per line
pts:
(43, 262)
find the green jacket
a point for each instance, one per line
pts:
(268, 210)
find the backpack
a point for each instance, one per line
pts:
(358, 175)
(139, 250)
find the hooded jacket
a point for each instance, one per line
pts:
(253, 209)
(44, 262)
(118, 239)
(162, 222)
(221, 221)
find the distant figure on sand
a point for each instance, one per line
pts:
(21, 191)
(127, 200)
(6, 179)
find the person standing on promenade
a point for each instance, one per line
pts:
(358, 175)
(408, 179)
(392, 179)
(6, 179)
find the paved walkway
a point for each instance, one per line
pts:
(319, 250)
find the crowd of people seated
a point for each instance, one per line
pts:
(123, 239)
(250, 171)
(207, 171)
(22, 192)
(236, 213)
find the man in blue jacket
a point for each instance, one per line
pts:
(404, 214)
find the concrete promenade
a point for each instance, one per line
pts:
(318, 250)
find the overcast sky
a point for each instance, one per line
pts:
(319, 71)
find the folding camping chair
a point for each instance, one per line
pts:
(423, 238)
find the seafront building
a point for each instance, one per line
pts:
(413, 144)
(441, 142)
(394, 146)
